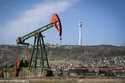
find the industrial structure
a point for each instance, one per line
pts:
(80, 33)
(38, 61)
(38, 58)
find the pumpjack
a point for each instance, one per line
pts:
(38, 57)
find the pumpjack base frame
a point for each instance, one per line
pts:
(39, 59)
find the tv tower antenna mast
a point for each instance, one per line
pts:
(80, 33)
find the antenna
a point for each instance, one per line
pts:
(80, 33)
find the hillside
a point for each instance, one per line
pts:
(100, 55)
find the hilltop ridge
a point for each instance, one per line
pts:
(98, 55)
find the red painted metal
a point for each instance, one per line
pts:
(102, 69)
(17, 66)
(55, 20)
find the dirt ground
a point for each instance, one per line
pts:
(86, 80)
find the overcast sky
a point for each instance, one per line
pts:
(103, 20)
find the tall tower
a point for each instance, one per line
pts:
(80, 33)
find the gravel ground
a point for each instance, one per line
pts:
(86, 80)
